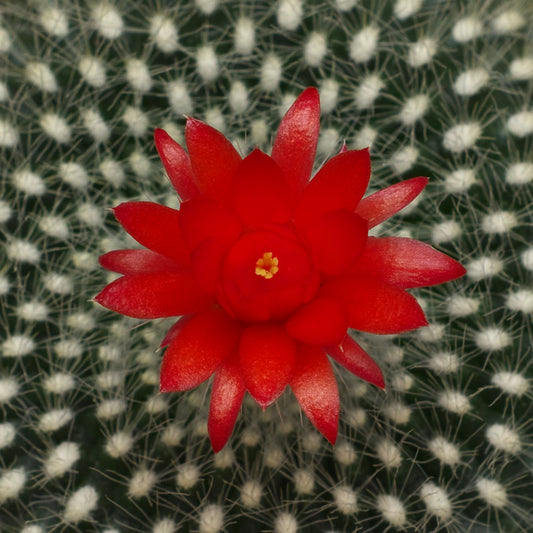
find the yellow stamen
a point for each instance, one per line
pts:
(267, 266)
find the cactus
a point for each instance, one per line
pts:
(437, 88)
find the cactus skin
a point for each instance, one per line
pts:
(439, 89)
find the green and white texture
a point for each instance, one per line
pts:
(439, 88)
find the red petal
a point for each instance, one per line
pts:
(154, 226)
(337, 238)
(352, 357)
(322, 321)
(383, 204)
(177, 164)
(207, 263)
(339, 184)
(405, 263)
(213, 158)
(174, 331)
(226, 399)
(205, 341)
(137, 262)
(315, 388)
(203, 218)
(376, 307)
(260, 191)
(267, 356)
(153, 295)
(295, 145)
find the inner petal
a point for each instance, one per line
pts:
(266, 275)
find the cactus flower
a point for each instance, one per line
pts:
(267, 269)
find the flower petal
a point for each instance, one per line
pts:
(381, 205)
(322, 321)
(177, 164)
(339, 184)
(375, 307)
(153, 295)
(132, 262)
(207, 263)
(352, 357)
(154, 226)
(203, 218)
(336, 238)
(174, 331)
(260, 191)
(205, 341)
(315, 387)
(226, 399)
(213, 158)
(295, 144)
(267, 356)
(405, 263)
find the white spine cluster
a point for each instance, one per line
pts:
(107, 20)
(80, 505)
(345, 499)
(445, 451)
(289, 14)
(437, 501)
(315, 49)
(364, 44)
(11, 483)
(188, 476)
(392, 509)
(61, 459)
(461, 137)
(141, 483)
(211, 519)
(503, 438)
(251, 494)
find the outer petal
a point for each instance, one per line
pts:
(295, 145)
(405, 263)
(375, 307)
(137, 262)
(352, 357)
(381, 205)
(177, 164)
(207, 263)
(322, 321)
(153, 295)
(205, 341)
(267, 355)
(174, 331)
(213, 158)
(226, 399)
(260, 191)
(337, 238)
(315, 388)
(203, 218)
(339, 184)
(154, 226)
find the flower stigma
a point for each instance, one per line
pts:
(267, 266)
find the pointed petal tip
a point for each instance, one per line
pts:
(458, 271)
(192, 122)
(332, 437)
(380, 381)
(311, 97)
(216, 445)
(159, 133)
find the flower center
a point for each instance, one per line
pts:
(267, 266)
(253, 288)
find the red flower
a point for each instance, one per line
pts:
(268, 270)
